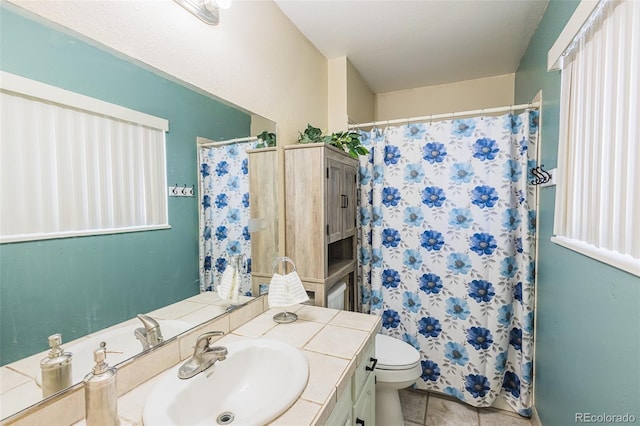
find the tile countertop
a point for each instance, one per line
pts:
(332, 341)
(18, 388)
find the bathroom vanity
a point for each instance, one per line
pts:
(338, 346)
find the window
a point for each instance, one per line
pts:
(72, 165)
(598, 194)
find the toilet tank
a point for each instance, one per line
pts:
(335, 298)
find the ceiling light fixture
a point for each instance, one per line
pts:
(207, 11)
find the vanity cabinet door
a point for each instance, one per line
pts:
(341, 414)
(364, 410)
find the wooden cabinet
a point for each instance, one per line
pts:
(320, 211)
(341, 200)
(263, 213)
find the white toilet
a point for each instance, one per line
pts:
(398, 367)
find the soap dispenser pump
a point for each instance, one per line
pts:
(100, 392)
(55, 368)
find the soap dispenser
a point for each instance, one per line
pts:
(55, 368)
(100, 392)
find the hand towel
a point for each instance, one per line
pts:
(228, 284)
(286, 290)
(277, 296)
(295, 289)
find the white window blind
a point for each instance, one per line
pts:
(69, 172)
(598, 194)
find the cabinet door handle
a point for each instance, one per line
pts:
(346, 199)
(359, 421)
(374, 362)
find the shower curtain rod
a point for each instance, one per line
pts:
(204, 142)
(532, 105)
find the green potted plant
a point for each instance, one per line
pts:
(267, 139)
(347, 141)
(310, 135)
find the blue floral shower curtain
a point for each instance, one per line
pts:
(447, 250)
(224, 211)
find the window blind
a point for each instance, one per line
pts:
(598, 194)
(69, 172)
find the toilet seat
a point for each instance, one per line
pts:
(394, 354)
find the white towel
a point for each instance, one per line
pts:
(295, 289)
(286, 290)
(228, 284)
(277, 296)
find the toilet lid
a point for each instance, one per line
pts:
(394, 354)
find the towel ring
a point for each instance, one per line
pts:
(283, 317)
(282, 261)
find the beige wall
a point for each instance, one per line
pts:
(461, 96)
(337, 94)
(349, 97)
(360, 99)
(255, 58)
(259, 124)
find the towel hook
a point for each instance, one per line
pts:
(541, 175)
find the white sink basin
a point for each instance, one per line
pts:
(120, 339)
(259, 380)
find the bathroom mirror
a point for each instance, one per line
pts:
(82, 285)
(21, 383)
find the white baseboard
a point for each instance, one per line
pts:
(535, 419)
(501, 404)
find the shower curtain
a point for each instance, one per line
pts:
(224, 212)
(446, 250)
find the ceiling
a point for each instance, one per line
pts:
(403, 44)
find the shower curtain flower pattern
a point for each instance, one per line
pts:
(224, 211)
(447, 250)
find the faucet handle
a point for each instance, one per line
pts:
(203, 341)
(148, 322)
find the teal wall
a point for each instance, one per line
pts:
(588, 313)
(76, 286)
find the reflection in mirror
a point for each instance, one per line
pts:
(85, 286)
(23, 378)
(225, 241)
(263, 223)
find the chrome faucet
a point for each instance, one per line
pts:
(204, 356)
(150, 335)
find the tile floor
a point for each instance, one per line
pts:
(421, 408)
